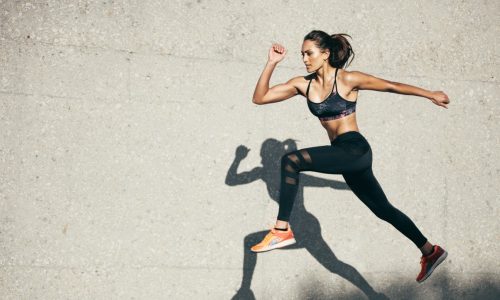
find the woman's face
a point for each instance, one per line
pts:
(312, 56)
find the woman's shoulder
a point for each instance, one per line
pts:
(351, 78)
(351, 75)
(300, 82)
(301, 78)
(347, 73)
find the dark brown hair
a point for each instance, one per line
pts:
(339, 46)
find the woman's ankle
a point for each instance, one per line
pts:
(281, 225)
(427, 249)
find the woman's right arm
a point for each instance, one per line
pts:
(265, 95)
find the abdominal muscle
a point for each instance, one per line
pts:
(336, 127)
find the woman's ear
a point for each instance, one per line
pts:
(327, 54)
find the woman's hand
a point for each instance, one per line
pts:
(439, 98)
(276, 53)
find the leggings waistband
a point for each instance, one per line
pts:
(349, 135)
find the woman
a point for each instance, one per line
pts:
(331, 93)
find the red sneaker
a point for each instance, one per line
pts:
(430, 262)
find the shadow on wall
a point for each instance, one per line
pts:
(439, 286)
(306, 227)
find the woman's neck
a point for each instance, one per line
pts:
(324, 74)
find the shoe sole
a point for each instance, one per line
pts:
(440, 260)
(278, 245)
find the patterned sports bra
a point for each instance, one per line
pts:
(333, 107)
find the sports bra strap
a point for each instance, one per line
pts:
(334, 84)
(335, 81)
(307, 91)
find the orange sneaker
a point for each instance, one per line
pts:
(275, 239)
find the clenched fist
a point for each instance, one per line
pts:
(276, 53)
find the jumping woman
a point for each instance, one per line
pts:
(331, 93)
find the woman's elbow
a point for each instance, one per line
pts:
(256, 101)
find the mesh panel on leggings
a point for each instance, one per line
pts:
(305, 155)
(292, 165)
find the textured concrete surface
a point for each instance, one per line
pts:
(119, 128)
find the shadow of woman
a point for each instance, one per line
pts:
(306, 227)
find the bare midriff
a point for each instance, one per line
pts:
(336, 127)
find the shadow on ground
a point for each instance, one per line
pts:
(306, 226)
(307, 229)
(438, 286)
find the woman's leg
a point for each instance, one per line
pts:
(348, 153)
(367, 189)
(365, 186)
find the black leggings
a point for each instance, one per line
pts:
(349, 155)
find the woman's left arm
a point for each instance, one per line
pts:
(361, 81)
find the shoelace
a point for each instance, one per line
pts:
(268, 237)
(423, 258)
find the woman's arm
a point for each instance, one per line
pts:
(361, 81)
(277, 93)
(263, 94)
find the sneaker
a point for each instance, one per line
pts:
(430, 262)
(275, 239)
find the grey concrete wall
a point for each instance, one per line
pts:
(120, 121)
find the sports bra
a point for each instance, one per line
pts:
(333, 107)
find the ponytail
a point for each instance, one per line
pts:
(341, 51)
(338, 45)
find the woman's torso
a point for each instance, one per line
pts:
(320, 99)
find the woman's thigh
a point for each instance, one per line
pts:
(332, 160)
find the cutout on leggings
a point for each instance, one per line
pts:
(289, 168)
(294, 158)
(290, 180)
(305, 155)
